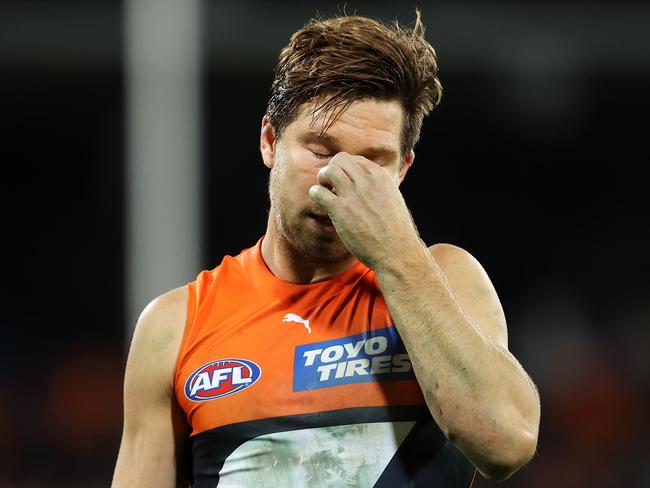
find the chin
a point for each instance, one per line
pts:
(324, 249)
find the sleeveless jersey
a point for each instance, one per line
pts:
(287, 384)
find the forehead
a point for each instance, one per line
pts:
(368, 122)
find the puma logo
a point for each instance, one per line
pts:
(292, 317)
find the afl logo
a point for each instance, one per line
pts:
(221, 378)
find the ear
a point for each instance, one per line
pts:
(267, 142)
(408, 161)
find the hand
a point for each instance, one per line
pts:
(366, 208)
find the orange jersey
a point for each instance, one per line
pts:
(288, 384)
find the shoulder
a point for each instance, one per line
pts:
(164, 316)
(472, 287)
(456, 261)
(158, 334)
(451, 253)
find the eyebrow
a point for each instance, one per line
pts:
(312, 136)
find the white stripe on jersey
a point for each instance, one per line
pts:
(335, 456)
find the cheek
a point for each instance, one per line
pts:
(300, 170)
(289, 185)
(296, 171)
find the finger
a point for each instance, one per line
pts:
(334, 176)
(323, 197)
(349, 165)
(365, 166)
(368, 171)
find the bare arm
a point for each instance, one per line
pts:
(454, 330)
(153, 448)
(446, 311)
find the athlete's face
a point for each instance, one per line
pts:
(368, 128)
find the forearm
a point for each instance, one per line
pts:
(475, 389)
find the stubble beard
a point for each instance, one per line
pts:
(294, 229)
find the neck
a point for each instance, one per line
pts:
(288, 264)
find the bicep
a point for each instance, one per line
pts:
(154, 438)
(473, 290)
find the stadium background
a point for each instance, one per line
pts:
(534, 162)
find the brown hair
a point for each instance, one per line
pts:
(339, 60)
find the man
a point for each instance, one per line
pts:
(339, 350)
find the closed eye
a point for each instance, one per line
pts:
(321, 156)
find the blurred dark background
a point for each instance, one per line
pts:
(534, 163)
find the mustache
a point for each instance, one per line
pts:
(315, 212)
